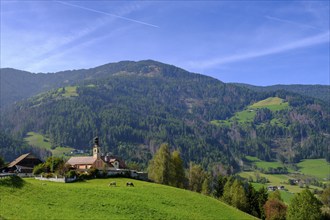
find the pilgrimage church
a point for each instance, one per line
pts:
(98, 161)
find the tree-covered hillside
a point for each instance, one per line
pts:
(315, 91)
(16, 85)
(135, 106)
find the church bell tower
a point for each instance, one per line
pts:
(96, 149)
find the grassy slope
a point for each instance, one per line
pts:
(265, 164)
(315, 167)
(70, 91)
(95, 200)
(40, 141)
(272, 103)
(318, 168)
(247, 115)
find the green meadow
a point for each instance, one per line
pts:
(94, 199)
(247, 115)
(313, 168)
(38, 140)
(264, 164)
(272, 103)
(69, 91)
(319, 168)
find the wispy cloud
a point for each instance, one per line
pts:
(302, 43)
(53, 60)
(110, 14)
(292, 23)
(58, 46)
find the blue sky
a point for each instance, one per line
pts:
(254, 42)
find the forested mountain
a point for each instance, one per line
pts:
(11, 147)
(16, 85)
(135, 106)
(315, 91)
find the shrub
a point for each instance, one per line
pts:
(275, 209)
(71, 174)
(38, 169)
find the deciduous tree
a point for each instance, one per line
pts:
(206, 185)
(274, 208)
(196, 177)
(325, 196)
(304, 205)
(238, 195)
(178, 174)
(159, 169)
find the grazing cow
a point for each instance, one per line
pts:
(112, 184)
(129, 184)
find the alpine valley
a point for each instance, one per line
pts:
(135, 106)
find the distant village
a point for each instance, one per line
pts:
(109, 165)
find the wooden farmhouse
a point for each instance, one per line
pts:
(23, 164)
(97, 161)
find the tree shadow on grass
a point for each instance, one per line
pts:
(12, 181)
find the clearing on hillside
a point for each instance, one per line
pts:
(272, 103)
(38, 140)
(248, 115)
(69, 91)
(319, 168)
(94, 199)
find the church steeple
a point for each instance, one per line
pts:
(96, 149)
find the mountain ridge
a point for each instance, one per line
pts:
(30, 84)
(135, 106)
(16, 85)
(314, 90)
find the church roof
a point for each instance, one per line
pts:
(81, 160)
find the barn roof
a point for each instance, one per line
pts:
(81, 160)
(20, 158)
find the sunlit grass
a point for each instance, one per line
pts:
(319, 168)
(272, 103)
(94, 199)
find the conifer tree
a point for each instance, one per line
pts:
(262, 199)
(219, 186)
(2, 162)
(252, 200)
